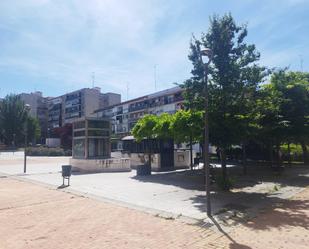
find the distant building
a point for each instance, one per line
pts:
(78, 104)
(125, 115)
(53, 112)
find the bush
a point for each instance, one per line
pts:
(225, 185)
(68, 152)
(44, 151)
(296, 152)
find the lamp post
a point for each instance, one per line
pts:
(14, 143)
(27, 109)
(206, 57)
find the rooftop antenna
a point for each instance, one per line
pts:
(93, 79)
(155, 76)
(127, 90)
(301, 62)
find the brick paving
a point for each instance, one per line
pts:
(34, 216)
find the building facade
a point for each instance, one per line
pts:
(78, 104)
(126, 114)
(54, 112)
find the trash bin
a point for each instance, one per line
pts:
(66, 173)
(143, 170)
(66, 170)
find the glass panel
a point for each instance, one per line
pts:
(98, 133)
(78, 148)
(98, 148)
(79, 133)
(98, 124)
(79, 125)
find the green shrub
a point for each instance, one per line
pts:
(225, 185)
(45, 151)
(68, 152)
(296, 152)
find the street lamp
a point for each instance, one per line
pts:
(27, 109)
(206, 57)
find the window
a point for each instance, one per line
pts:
(78, 148)
(98, 124)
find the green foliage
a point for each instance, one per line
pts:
(188, 125)
(294, 148)
(284, 109)
(145, 128)
(33, 129)
(12, 119)
(233, 82)
(164, 126)
(45, 151)
(225, 184)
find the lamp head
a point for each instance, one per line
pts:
(27, 107)
(206, 52)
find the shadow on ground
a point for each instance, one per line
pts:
(194, 180)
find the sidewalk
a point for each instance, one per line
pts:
(34, 216)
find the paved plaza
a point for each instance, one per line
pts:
(177, 194)
(39, 217)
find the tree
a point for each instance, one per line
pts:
(233, 71)
(272, 128)
(187, 127)
(291, 89)
(33, 129)
(12, 119)
(164, 127)
(145, 129)
(65, 135)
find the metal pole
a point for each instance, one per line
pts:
(206, 144)
(26, 142)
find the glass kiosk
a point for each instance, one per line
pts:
(92, 147)
(91, 139)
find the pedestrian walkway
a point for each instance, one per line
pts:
(34, 216)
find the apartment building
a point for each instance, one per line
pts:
(38, 109)
(125, 115)
(78, 104)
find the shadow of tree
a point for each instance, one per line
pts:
(194, 180)
(287, 213)
(274, 212)
(187, 179)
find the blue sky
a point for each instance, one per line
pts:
(54, 45)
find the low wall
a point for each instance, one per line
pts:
(53, 142)
(101, 165)
(141, 158)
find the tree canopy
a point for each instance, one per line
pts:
(13, 118)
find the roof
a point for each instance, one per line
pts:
(128, 138)
(149, 96)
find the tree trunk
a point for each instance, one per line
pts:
(271, 158)
(149, 152)
(278, 152)
(191, 155)
(289, 155)
(223, 165)
(244, 158)
(305, 152)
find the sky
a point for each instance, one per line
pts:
(57, 46)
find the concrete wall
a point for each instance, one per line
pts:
(101, 165)
(141, 158)
(53, 142)
(91, 101)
